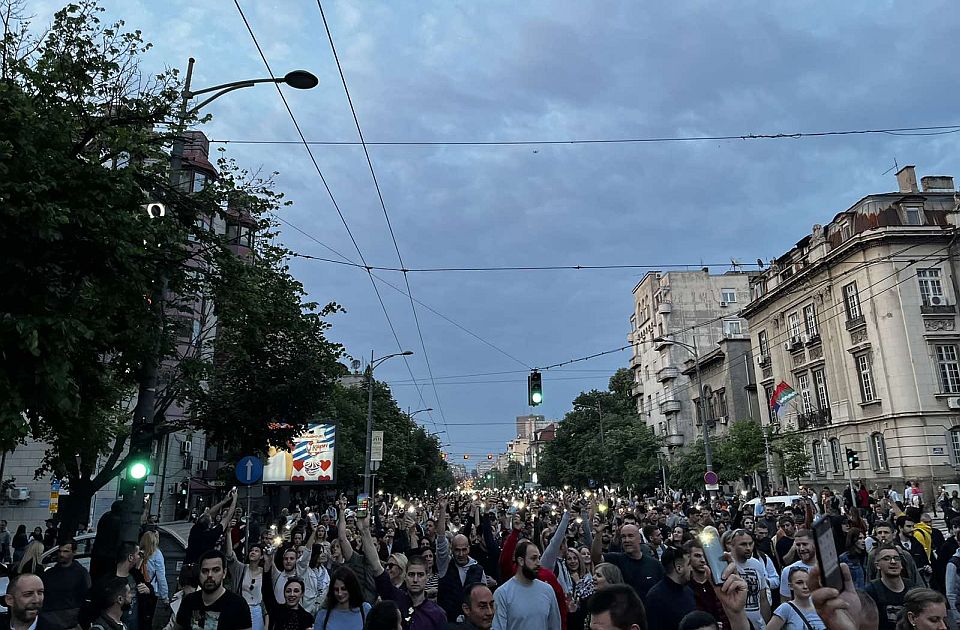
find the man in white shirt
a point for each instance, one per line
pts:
(807, 554)
(755, 575)
(294, 567)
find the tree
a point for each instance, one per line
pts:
(742, 449)
(791, 449)
(96, 291)
(624, 452)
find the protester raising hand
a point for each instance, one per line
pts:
(839, 610)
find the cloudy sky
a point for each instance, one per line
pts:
(450, 71)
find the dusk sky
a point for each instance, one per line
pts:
(552, 71)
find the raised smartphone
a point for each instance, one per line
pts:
(713, 551)
(363, 505)
(827, 559)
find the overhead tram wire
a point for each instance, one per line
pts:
(386, 215)
(326, 186)
(898, 131)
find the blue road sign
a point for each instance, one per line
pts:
(249, 470)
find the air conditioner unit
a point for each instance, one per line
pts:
(186, 447)
(722, 419)
(18, 494)
(724, 304)
(202, 465)
(937, 300)
(788, 345)
(954, 403)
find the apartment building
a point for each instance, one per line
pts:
(860, 318)
(676, 316)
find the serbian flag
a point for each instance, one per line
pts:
(781, 396)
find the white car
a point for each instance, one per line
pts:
(780, 503)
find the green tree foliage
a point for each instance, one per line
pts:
(412, 461)
(82, 149)
(625, 452)
(742, 449)
(793, 455)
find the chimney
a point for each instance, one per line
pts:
(937, 183)
(907, 178)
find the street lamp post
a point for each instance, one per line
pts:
(143, 434)
(366, 459)
(707, 450)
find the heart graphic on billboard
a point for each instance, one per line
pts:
(325, 464)
(298, 464)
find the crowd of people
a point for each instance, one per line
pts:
(514, 560)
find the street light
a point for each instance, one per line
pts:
(143, 435)
(411, 415)
(707, 451)
(373, 365)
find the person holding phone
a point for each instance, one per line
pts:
(799, 613)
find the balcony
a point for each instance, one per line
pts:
(813, 338)
(674, 440)
(662, 343)
(665, 308)
(813, 419)
(669, 406)
(856, 322)
(636, 390)
(938, 309)
(667, 373)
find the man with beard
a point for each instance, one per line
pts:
(671, 599)
(24, 599)
(116, 598)
(66, 585)
(213, 607)
(525, 603)
(639, 570)
(755, 575)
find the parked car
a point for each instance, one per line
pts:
(173, 545)
(779, 502)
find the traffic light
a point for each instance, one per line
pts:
(534, 389)
(489, 456)
(138, 469)
(853, 460)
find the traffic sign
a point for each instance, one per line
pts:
(710, 478)
(249, 470)
(376, 447)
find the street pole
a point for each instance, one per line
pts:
(853, 495)
(707, 450)
(246, 536)
(766, 452)
(366, 458)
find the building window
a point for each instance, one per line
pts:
(759, 289)
(764, 345)
(819, 466)
(767, 395)
(732, 327)
(878, 451)
(851, 300)
(835, 455)
(810, 321)
(718, 404)
(794, 324)
(948, 365)
(803, 386)
(913, 215)
(820, 385)
(955, 444)
(865, 376)
(728, 295)
(931, 287)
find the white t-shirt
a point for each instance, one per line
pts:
(755, 575)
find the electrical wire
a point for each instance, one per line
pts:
(903, 131)
(383, 206)
(326, 186)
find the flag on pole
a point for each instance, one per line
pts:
(781, 396)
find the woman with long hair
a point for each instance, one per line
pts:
(855, 557)
(678, 536)
(19, 544)
(583, 588)
(248, 578)
(923, 609)
(798, 614)
(343, 608)
(384, 616)
(587, 560)
(433, 580)
(32, 559)
(153, 571)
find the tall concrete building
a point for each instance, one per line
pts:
(860, 318)
(673, 314)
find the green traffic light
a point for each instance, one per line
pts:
(138, 470)
(537, 398)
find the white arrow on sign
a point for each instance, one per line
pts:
(249, 469)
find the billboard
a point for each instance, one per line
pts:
(310, 458)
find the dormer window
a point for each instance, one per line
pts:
(912, 215)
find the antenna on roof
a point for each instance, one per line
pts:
(736, 265)
(894, 167)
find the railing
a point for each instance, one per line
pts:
(856, 322)
(813, 419)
